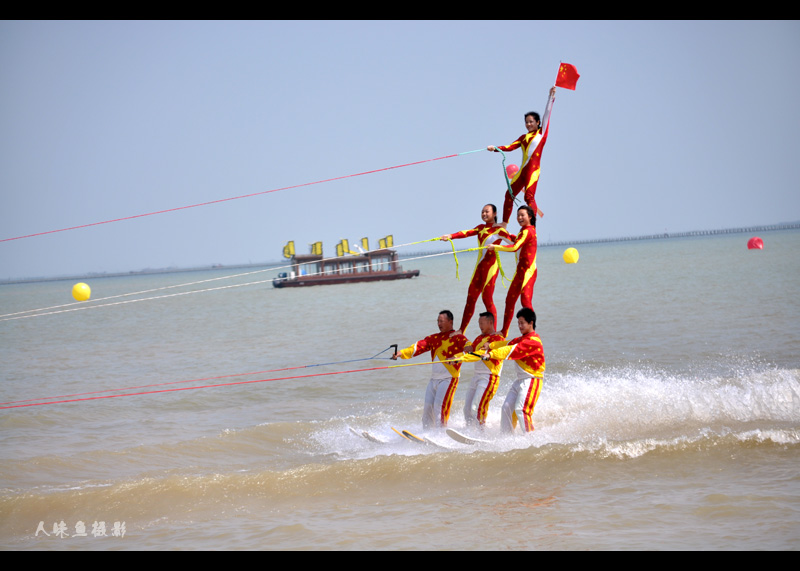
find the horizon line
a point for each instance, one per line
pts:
(660, 236)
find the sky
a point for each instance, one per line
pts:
(674, 126)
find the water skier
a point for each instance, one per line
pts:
(445, 371)
(487, 373)
(528, 354)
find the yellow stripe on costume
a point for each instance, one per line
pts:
(529, 272)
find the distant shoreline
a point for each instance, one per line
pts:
(748, 229)
(280, 263)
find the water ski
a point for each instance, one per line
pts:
(400, 434)
(367, 435)
(419, 440)
(463, 438)
(413, 437)
(373, 438)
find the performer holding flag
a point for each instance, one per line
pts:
(532, 143)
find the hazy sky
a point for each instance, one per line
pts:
(674, 126)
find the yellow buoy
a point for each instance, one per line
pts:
(571, 255)
(81, 292)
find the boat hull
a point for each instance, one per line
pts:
(302, 281)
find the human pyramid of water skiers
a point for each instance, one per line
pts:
(450, 348)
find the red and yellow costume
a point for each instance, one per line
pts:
(484, 383)
(528, 354)
(486, 268)
(527, 177)
(444, 374)
(525, 276)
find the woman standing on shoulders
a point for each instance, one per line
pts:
(532, 144)
(525, 276)
(487, 266)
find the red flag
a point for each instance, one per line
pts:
(567, 76)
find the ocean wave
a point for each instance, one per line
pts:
(584, 419)
(638, 408)
(630, 402)
(400, 465)
(349, 469)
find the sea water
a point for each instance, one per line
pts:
(669, 416)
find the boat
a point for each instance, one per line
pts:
(313, 269)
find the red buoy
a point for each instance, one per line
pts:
(755, 243)
(511, 170)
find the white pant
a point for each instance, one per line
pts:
(475, 394)
(438, 398)
(519, 403)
